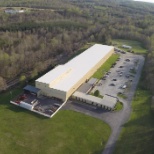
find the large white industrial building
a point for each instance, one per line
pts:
(64, 80)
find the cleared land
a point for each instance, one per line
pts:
(24, 132)
(106, 66)
(136, 46)
(138, 134)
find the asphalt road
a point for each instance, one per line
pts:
(114, 119)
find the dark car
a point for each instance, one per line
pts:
(120, 66)
(123, 52)
(104, 78)
(112, 84)
(127, 76)
(128, 60)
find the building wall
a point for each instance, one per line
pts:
(91, 102)
(65, 95)
(47, 91)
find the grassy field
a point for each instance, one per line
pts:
(68, 132)
(118, 106)
(138, 133)
(105, 67)
(136, 46)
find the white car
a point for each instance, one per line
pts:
(124, 87)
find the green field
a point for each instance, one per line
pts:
(68, 132)
(136, 46)
(118, 106)
(105, 67)
(138, 134)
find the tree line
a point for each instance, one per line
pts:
(33, 41)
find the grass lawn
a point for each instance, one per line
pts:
(136, 46)
(138, 133)
(68, 132)
(118, 106)
(105, 67)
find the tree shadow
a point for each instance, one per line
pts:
(136, 142)
(146, 121)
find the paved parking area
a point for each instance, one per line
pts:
(122, 73)
(47, 105)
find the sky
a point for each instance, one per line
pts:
(151, 1)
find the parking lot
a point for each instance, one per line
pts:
(121, 76)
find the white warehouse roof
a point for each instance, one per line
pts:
(64, 77)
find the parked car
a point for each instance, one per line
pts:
(124, 87)
(131, 68)
(103, 78)
(128, 60)
(120, 74)
(120, 92)
(123, 52)
(112, 84)
(121, 66)
(127, 76)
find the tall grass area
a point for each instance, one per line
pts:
(68, 132)
(136, 46)
(138, 133)
(106, 66)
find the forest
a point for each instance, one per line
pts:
(51, 31)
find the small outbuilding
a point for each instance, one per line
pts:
(107, 102)
(32, 90)
(10, 11)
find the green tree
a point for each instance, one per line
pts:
(22, 78)
(34, 73)
(96, 93)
